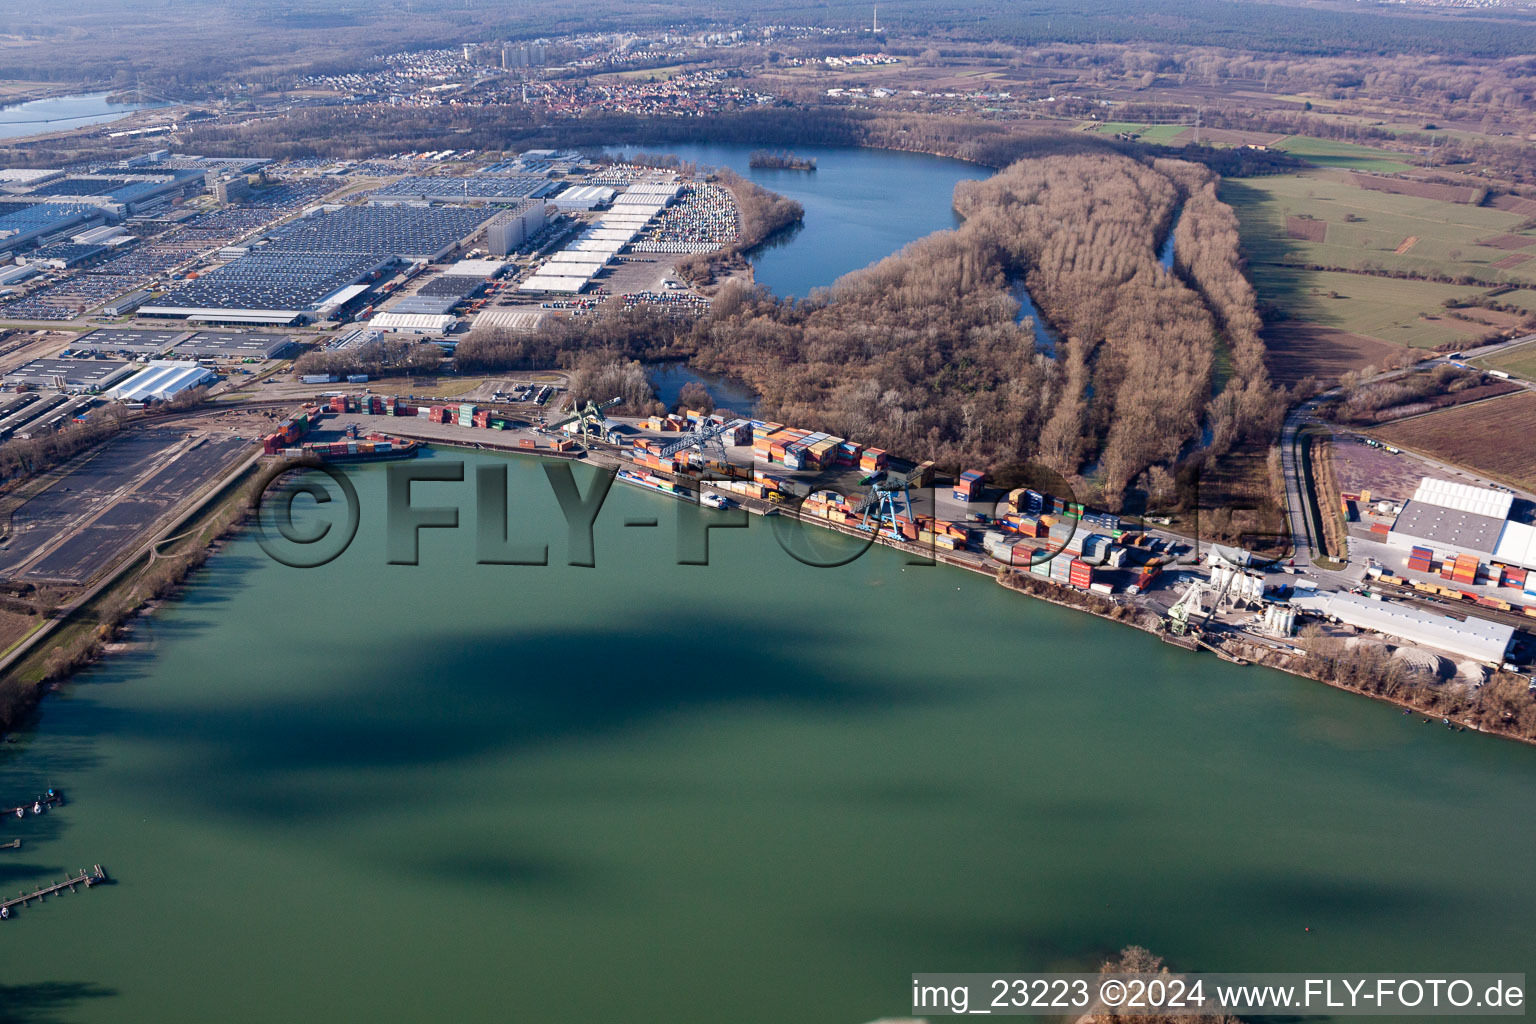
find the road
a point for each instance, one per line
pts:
(1302, 416)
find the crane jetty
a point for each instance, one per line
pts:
(86, 878)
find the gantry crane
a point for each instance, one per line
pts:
(591, 418)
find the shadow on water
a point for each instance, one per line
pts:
(16, 877)
(46, 1002)
(474, 696)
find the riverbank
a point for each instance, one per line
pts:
(82, 629)
(121, 598)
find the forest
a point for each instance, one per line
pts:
(923, 353)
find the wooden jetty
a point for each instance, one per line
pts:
(85, 878)
(37, 805)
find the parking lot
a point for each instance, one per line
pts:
(75, 527)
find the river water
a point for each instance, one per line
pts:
(750, 792)
(59, 113)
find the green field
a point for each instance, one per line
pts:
(1162, 133)
(1328, 153)
(1387, 308)
(1519, 361)
(1523, 299)
(1365, 228)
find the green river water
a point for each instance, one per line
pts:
(752, 792)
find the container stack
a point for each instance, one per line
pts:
(968, 487)
(1418, 559)
(1465, 570)
(872, 460)
(1079, 574)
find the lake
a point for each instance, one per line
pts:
(861, 205)
(59, 113)
(748, 792)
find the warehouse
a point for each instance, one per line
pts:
(582, 197)
(128, 341)
(266, 287)
(449, 286)
(510, 230)
(1445, 516)
(127, 304)
(412, 323)
(395, 232)
(161, 380)
(520, 320)
(225, 345)
(494, 188)
(65, 255)
(484, 270)
(69, 374)
(121, 193)
(425, 305)
(557, 285)
(1477, 639)
(572, 269)
(22, 224)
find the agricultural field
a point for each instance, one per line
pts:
(1460, 436)
(1329, 153)
(1520, 361)
(1386, 309)
(1374, 230)
(1160, 133)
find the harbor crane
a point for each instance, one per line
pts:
(1181, 617)
(591, 418)
(706, 437)
(887, 499)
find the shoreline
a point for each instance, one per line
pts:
(1247, 653)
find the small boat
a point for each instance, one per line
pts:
(5, 912)
(713, 500)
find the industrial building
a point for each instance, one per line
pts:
(225, 345)
(161, 381)
(556, 285)
(441, 188)
(268, 288)
(1449, 517)
(511, 229)
(69, 374)
(127, 341)
(120, 193)
(412, 323)
(309, 268)
(23, 224)
(127, 304)
(582, 197)
(1476, 639)
(520, 320)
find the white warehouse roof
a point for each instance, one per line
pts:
(160, 380)
(1481, 501)
(542, 283)
(1517, 545)
(428, 323)
(1478, 639)
(476, 268)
